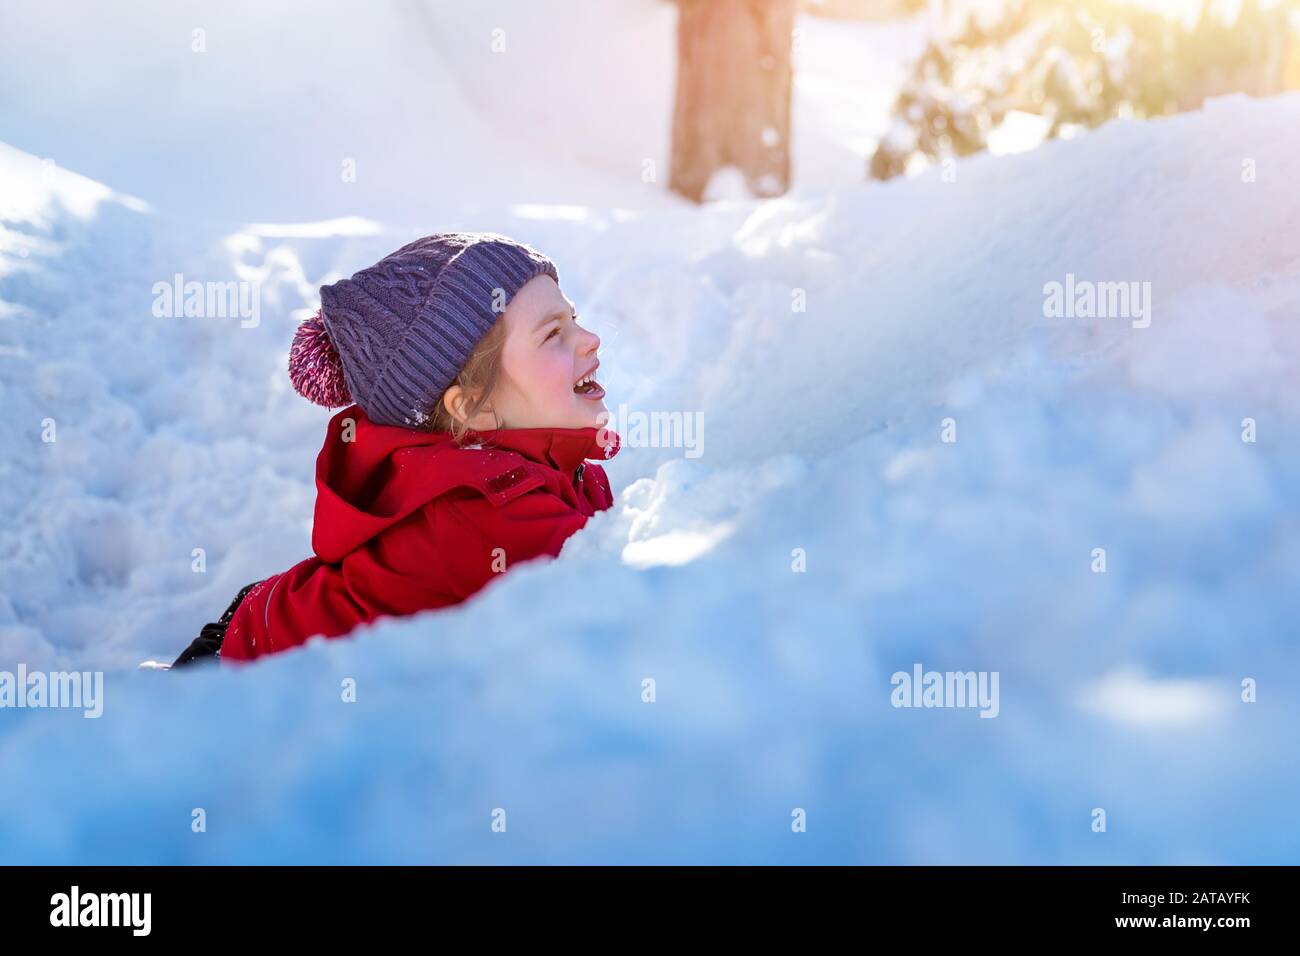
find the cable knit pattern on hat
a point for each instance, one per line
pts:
(405, 327)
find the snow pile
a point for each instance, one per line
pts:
(829, 342)
(395, 111)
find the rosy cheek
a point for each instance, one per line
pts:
(562, 376)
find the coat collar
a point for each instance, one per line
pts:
(369, 477)
(560, 448)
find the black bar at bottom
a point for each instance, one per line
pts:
(211, 904)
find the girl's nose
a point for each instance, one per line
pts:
(593, 341)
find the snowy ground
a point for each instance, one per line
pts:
(822, 432)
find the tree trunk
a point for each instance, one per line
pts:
(733, 94)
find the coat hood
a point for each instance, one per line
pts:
(370, 476)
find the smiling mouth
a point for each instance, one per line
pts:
(588, 387)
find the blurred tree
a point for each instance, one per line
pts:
(733, 94)
(1079, 63)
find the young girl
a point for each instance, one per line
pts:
(472, 408)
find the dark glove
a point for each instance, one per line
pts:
(207, 646)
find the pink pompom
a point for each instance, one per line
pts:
(314, 365)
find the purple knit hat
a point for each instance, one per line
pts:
(395, 335)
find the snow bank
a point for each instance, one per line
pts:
(924, 302)
(245, 110)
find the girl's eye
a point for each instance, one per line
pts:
(552, 332)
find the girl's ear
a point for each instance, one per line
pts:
(456, 401)
(453, 400)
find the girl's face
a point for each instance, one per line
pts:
(545, 355)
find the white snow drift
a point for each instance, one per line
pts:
(714, 654)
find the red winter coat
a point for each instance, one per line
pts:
(407, 520)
